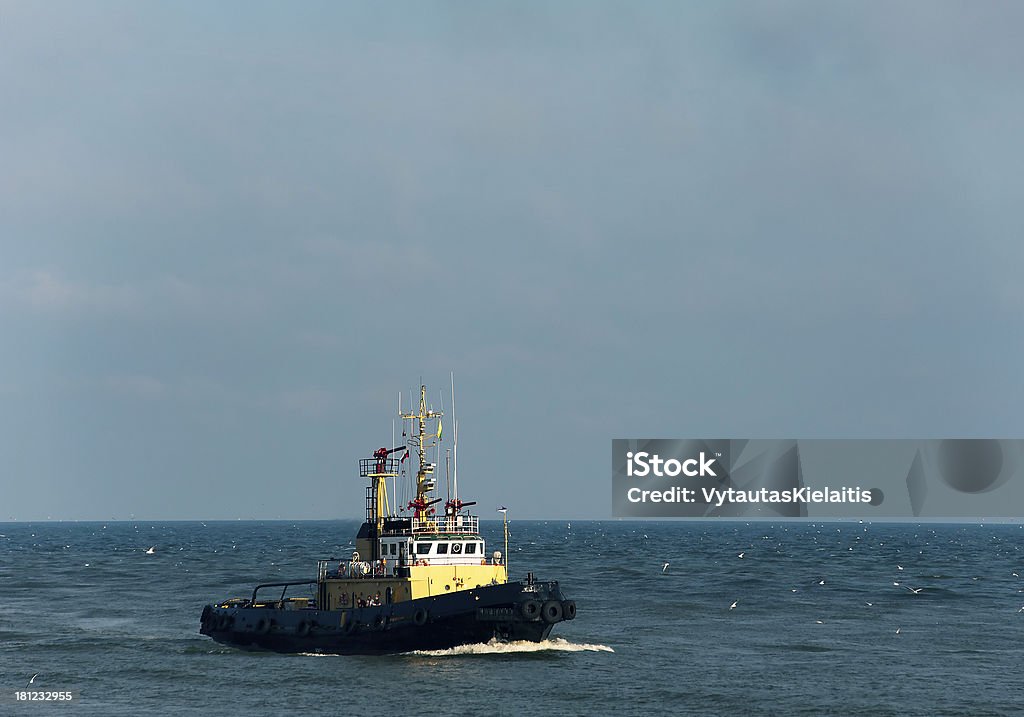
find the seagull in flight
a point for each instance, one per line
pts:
(740, 555)
(897, 631)
(734, 604)
(151, 550)
(664, 568)
(32, 679)
(821, 582)
(899, 567)
(913, 590)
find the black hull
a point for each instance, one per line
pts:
(514, 611)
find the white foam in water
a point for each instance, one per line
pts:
(497, 647)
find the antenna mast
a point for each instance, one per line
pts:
(421, 441)
(455, 448)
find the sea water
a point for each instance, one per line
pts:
(784, 618)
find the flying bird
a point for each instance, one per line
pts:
(151, 550)
(734, 604)
(897, 631)
(32, 679)
(913, 590)
(740, 555)
(664, 568)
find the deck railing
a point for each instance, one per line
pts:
(370, 467)
(351, 569)
(447, 525)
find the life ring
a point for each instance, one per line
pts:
(530, 610)
(302, 629)
(263, 626)
(420, 616)
(552, 611)
(569, 610)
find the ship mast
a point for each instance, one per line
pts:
(421, 441)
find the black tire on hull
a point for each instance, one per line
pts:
(569, 609)
(530, 610)
(552, 611)
(420, 616)
(263, 626)
(302, 629)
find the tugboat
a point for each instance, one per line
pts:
(419, 582)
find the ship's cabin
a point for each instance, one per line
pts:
(433, 550)
(450, 540)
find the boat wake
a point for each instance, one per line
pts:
(497, 647)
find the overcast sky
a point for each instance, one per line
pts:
(231, 233)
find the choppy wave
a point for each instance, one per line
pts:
(128, 624)
(498, 647)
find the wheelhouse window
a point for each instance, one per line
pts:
(470, 548)
(442, 548)
(394, 548)
(422, 548)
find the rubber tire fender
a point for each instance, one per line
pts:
(420, 616)
(263, 625)
(302, 629)
(551, 611)
(530, 610)
(569, 609)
